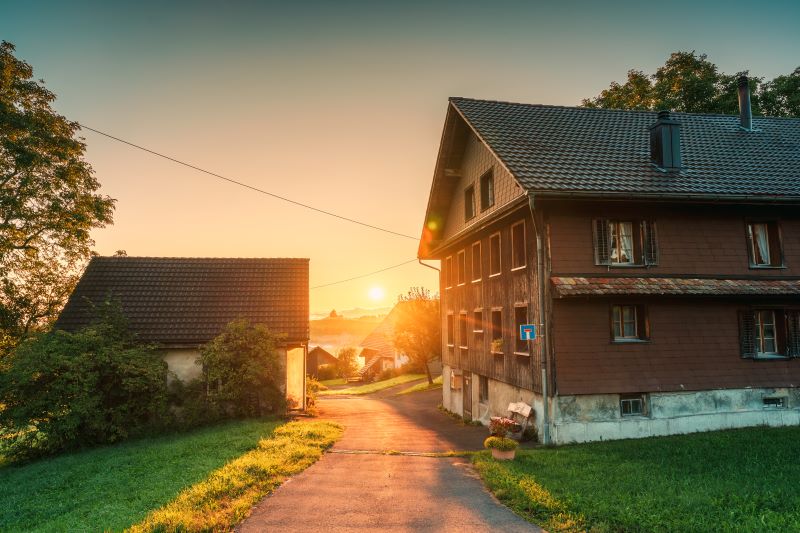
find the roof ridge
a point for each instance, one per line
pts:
(612, 110)
(172, 258)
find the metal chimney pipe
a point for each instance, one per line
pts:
(745, 113)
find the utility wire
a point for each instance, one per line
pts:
(364, 275)
(246, 186)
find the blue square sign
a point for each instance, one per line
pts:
(527, 332)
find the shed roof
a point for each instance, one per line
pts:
(188, 301)
(596, 286)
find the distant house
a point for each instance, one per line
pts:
(318, 357)
(657, 254)
(378, 349)
(182, 303)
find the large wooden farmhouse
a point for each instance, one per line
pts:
(658, 254)
(181, 303)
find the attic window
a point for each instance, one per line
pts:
(665, 143)
(487, 190)
(469, 203)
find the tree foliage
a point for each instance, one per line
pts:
(689, 82)
(48, 202)
(65, 390)
(347, 365)
(417, 330)
(242, 371)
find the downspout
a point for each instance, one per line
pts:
(545, 343)
(429, 266)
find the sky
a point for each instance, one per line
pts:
(339, 105)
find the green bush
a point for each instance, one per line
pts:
(326, 372)
(63, 390)
(503, 444)
(242, 372)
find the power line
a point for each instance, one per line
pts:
(363, 275)
(246, 186)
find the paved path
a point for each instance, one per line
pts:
(356, 488)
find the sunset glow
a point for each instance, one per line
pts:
(377, 294)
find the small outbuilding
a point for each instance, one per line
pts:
(182, 303)
(317, 357)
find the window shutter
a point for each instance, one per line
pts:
(747, 333)
(650, 242)
(793, 333)
(602, 242)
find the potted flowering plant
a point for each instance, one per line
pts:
(497, 346)
(503, 448)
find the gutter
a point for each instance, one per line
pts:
(545, 344)
(637, 196)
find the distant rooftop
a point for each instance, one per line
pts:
(188, 301)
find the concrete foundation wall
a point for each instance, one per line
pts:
(597, 417)
(182, 363)
(500, 395)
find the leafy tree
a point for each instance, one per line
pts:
(418, 328)
(347, 365)
(243, 371)
(48, 202)
(689, 82)
(781, 96)
(65, 390)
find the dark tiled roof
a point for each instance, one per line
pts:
(581, 150)
(324, 357)
(580, 286)
(188, 301)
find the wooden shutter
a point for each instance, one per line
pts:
(602, 242)
(747, 333)
(793, 333)
(650, 237)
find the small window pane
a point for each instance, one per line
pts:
(469, 203)
(621, 234)
(477, 322)
(476, 262)
(759, 237)
(520, 318)
(497, 327)
(448, 272)
(518, 259)
(462, 330)
(462, 267)
(487, 191)
(625, 322)
(494, 254)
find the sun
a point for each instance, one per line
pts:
(376, 293)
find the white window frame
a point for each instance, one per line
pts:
(614, 235)
(448, 272)
(461, 274)
(462, 322)
(480, 262)
(479, 324)
(516, 328)
(499, 254)
(450, 337)
(640, 398)
(524, 247)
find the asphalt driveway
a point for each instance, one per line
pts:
(357, 487)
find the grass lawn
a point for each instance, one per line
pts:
(419, 387)
(334, 382)
(115, 486)
(374, 387)
(742, 480)
(225, 497)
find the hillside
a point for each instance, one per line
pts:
(334, 333)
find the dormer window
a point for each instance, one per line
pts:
(665, 143)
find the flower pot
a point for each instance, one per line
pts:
(503, 455)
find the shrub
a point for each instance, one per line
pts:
(503, 444)
(95, 386)
(242, 371)
(312, 388)
(326, 372)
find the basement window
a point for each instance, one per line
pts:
(775, 403)
(632, 405)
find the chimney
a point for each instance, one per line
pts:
(745, 113)
(665, 143)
